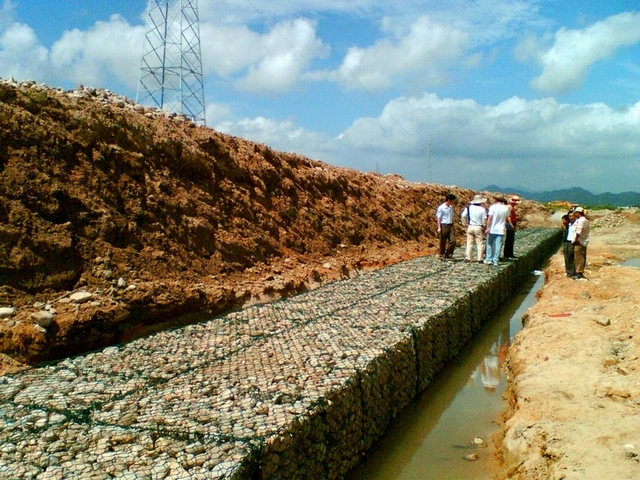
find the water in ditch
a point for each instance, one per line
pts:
(432, 436)
(631, 262)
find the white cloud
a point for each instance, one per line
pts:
(544, 143)
(216, 112)
(7, 14)
(269, 63)
(286, 52)
(228, 49)
(425, 51)
(281, 135)
(21, 56)
(566, 63)
(241, 11)
(92, 56)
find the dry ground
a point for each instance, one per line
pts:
(574, 372)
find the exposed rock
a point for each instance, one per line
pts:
(43, 318)
(81, 297)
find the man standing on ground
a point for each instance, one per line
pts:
(580, 242)
(475, 218)
(446, 232)
(510, 236)
(496, 227)
(567, 244)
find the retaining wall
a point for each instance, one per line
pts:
(296, 389)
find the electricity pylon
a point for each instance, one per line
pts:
(171, 65)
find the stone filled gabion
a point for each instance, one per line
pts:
(299, 388)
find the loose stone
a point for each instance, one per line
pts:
(80, 297)
(6, 312)
(43, 318)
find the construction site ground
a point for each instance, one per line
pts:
(574, 377)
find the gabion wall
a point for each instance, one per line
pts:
(299, 388)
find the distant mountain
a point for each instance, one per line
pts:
(574, 195)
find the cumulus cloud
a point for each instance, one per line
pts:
(547, 143)
(282, 135)
(107, 48)
(566, 62)
(216, 112)
(94, 57)
(269, 63)
(286, 52)
(425, 50)
(7, 14)
(21, 56)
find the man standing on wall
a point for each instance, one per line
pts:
(580, 242)
(474, 217)
(510, 235)
(446, 232)
(496, 227)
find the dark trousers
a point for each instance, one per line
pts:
(447, 239)
(569, 265)
(509, 240)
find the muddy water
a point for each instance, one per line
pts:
(431, 437)
(631, 262)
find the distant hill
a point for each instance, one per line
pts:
(574, 195)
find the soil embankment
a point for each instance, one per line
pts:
(117, 220)
(574, 370)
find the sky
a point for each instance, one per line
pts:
(530, 94)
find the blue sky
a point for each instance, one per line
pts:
(535, 94)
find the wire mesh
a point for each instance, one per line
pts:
(298, 388)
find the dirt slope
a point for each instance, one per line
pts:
(156, 222)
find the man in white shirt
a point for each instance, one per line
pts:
(580, 242)
(496, 228)
(446, 232)
(474, 217)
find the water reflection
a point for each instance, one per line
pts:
(431, 437)
(491, 366)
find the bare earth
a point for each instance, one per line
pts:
(573, 369)
(156, 223)
(152, 219)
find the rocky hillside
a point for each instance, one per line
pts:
(116, 220)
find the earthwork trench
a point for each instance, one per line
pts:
(298, 388)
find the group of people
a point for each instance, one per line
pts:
(494, 228)
(489, 230)
(576, 239)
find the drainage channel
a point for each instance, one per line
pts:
(438, 435)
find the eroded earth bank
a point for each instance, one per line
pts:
(574, 371)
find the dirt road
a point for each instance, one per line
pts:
(574, 370)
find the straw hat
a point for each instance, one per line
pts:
(478, 199)
(515, 199)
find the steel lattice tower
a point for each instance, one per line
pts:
(171, 66)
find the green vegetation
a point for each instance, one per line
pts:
(601, 207)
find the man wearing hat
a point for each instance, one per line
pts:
(510, 236)
(475, 218)
(580, 242)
